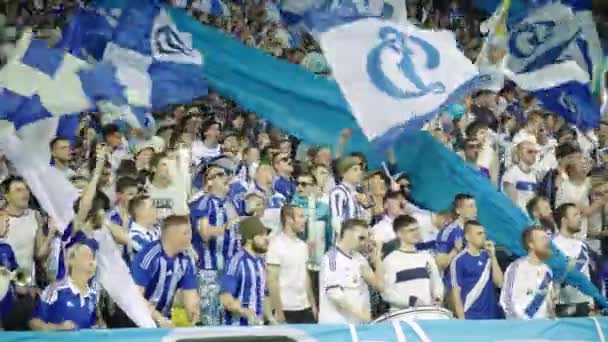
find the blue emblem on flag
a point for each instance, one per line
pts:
(391, 38)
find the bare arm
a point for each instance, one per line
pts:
(158, 317)
(86, 201)
(510, 191)
(43, 241)
(374, 278)
(191, 304)
(458, 306)
(275, 291)
(497, 276)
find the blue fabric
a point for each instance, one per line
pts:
(147, 272)
(210, 253)
(574, 102)
(7, 261)
(59, 303)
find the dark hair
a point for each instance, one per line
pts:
(136, 203)
(287, 211)
(126, 168)
(531, 205)
(361, 156)
(471, 223)
(403, 221)
(561, 212)
(475, 127)
(350, 224)
(207, 125)
(123, 183)
(526, 235)
(56, 140)
(458, 199)
(7, 183)
(156, 158)
(109, 129)
(175, 220)
(566, 149)
(565, 130)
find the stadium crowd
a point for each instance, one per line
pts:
(270, 230)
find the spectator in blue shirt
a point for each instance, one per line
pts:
(70, 303)
(284, 183)
(474, 275)
(8, 266)
(244, 291)
(450, 239)
(164, 266)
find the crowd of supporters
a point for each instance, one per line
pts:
(224, 219)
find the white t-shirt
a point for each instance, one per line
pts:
(168, 201)
(568, 192)
(22, 239)
(575, 249)
(201, 151)
(341, 272)
(383, 230)
(291, 255)
(525, 184)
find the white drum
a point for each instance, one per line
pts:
(413, 314)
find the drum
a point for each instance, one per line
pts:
(413, 314)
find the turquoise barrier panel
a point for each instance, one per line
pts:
(577, 329)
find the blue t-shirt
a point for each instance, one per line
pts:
(446, 239)
(473, 275)
(214, 209)
(61, 301)
(285, 187)
(8, 261)
(245, 280)
(161, 275)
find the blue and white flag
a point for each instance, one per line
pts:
(155, 62)
(392, 74)
(213, 7)
(549, 55)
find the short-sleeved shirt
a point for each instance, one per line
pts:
(446, 240)
(161, 275)
(9, 262)
(215, 210)
(525, 184)
(291, 255)
(62, 301)
(141, 236)
(245, 280)
(473, 275)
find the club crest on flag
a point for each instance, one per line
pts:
(399, 43)
(171, 45)
(546, 35)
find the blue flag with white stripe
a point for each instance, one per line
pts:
(551, 49)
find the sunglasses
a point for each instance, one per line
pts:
(216, 175)
(305, 184)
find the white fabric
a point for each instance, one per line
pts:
(113, 274)
(572, 247)
(521, 283)
(568, 192)
(514, 175)
(342, 273)
(397, 293)
(428, 230)
(383, 230)
(350, 49)
(21, 237)
(200, 151)
(291, 256)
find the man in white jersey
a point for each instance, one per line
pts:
(168, 196)
(569, 218)
(344, 277)
(519, 182)
(528, 291)
(411, 277)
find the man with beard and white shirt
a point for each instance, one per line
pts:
(519, 182)
(345, 276)
(569, 218)
(539, 211)
(528, 291)
(394, 203)
(411, 277)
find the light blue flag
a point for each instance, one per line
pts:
(297, 101)
(550, 46)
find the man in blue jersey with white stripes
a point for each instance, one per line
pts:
(165, 266)
(244, 292)
(475, 275)
(209, 214)
(344, 200)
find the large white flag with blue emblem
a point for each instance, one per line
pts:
(393, 74)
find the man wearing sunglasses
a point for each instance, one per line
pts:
(209, 214)
(519, 182)
(283, 182)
